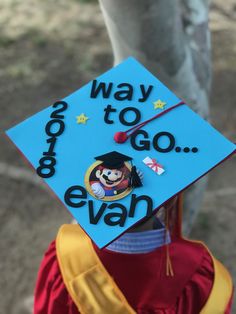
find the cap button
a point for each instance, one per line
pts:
(120, 137)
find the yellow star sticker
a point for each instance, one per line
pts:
(159, 104)
(81, 119)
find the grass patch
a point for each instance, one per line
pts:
(6, 41)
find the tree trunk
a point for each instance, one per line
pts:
(172, 39)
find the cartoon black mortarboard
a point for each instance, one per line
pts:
(113, 160)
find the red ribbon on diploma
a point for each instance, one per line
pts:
(154, 165)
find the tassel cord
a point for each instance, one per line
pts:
(140, 125)
(169, 267)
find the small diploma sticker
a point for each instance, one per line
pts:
(154, 165)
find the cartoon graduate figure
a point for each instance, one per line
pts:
(112, 176)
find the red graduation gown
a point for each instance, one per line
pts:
(142, 279)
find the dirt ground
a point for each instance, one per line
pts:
(47, 50)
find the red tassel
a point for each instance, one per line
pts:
(121, 137)
(169, 267)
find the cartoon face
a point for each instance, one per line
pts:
(106, 183)
(110, 177)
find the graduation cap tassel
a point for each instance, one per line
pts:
(135, 180)
(121, 137)
(178, 227)
(169, 268)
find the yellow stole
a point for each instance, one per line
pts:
(94, 291)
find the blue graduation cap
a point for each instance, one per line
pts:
(118, 148)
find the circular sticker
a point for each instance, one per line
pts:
(108, 184)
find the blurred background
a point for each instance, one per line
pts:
(47, 50)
